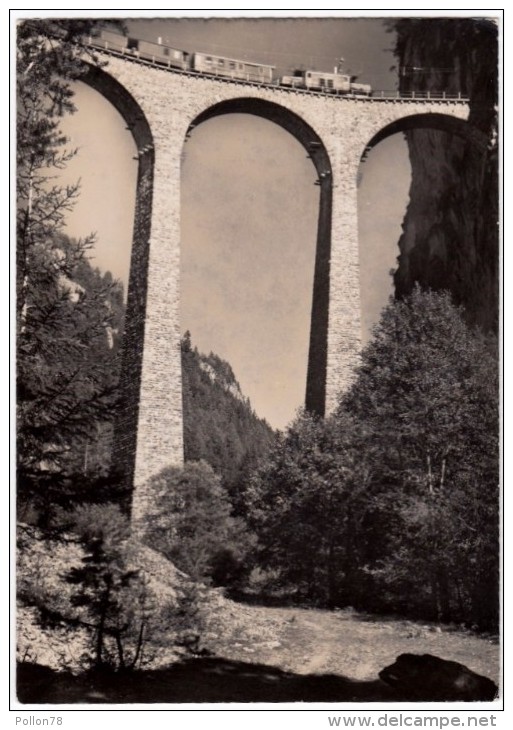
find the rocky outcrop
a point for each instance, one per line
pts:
(450, 234)
(182, 617)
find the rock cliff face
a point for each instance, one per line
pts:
(450, 234)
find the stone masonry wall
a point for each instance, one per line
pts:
(171, 102)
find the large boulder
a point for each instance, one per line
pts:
(427, 678)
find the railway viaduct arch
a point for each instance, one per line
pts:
(161, 107)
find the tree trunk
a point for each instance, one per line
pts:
(119, 646)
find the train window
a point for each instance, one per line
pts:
(220, 61)
(308, 74)
(232, 64)
(133, 43)
(208, 59)
(322, 82)
(165, 51)
(329, 83)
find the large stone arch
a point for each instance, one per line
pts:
(439, 121)
(315, 397)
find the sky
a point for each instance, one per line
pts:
(249, 203)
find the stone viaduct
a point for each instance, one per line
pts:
(161, 107)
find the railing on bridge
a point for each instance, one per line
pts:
(418, 95)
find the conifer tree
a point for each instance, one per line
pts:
(65, 377)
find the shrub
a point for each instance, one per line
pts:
(193, 525)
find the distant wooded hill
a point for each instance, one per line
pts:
(219, 424)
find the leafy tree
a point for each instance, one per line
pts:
(427, 397)
(392, 503)
(308, 504)
(193, 525)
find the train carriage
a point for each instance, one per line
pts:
(110, 40)
(232, 68)
(336, 82)
(166, 55)
(146, 50)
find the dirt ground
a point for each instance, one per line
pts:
(263, 654)
(356, 645)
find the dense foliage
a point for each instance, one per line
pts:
(392, 503)
(67, 371)
(193, 524)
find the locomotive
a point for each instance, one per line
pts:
(336, 82)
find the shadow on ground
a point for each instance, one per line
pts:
(195, 680)
(412, 677)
